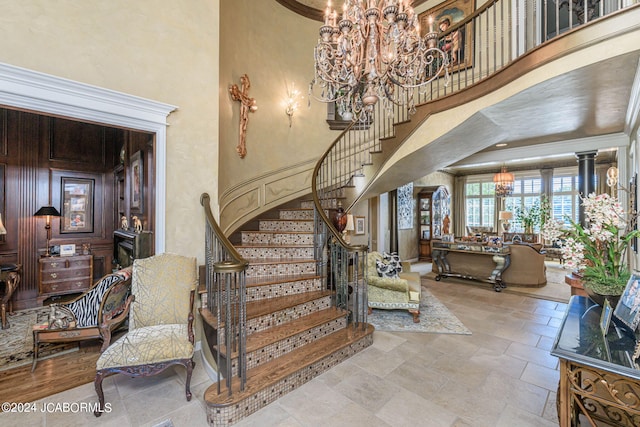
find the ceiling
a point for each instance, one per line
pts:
(584, 109)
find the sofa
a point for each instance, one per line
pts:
(388, 293)
(527, 266)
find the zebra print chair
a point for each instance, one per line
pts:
(92, 315)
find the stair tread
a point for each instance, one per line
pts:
(258, 340)
(286, 219)
(270, 305)
(274, 245)
(271, 372)
(258, 261)
(274, 280)
(277, 231)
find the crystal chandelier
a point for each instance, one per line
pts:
(374, 52)
(504, 182)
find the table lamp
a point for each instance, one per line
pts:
(505, 216)
(48, 212)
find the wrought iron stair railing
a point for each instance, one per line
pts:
(225, 316)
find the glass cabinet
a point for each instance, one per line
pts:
(433, 215)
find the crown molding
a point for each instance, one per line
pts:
(43, 93)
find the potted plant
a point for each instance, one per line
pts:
(528, 217)
(598, 249)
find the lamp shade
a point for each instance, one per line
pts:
(2, 229)
(504, 182)
(505, 215)
(47, 211)
(350, 226)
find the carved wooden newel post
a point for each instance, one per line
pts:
(246, 105)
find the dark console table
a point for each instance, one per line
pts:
(470, 253)
(599, 380)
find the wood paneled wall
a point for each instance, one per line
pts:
(36, 153)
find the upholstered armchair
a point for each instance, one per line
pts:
(92, 315)
(160, 322)
(388, 293)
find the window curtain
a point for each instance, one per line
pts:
(459, 207)
(601, 180)
(547, 183)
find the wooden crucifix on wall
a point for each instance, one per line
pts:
(247, 105)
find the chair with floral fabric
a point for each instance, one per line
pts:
(160, 322)
(386, 291)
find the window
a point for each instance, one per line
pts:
(566, 199)
(526, 194)
(480, 203)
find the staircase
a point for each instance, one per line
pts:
(294, 330)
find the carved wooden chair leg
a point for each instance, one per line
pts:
(190, 365)
(416, 315)
(98, 386)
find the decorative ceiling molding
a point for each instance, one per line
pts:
(306, 9)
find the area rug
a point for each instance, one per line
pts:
(435, 318)
(17, 340)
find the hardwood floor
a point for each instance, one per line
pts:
(51, 375)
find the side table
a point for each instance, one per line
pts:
(10, 275)
(599, 379)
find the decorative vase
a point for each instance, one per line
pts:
(600, 298)
(528, 229)
(339, 218)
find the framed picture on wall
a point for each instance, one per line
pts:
(77, 205)
(457, 44)
(137, 182)
(360, 225)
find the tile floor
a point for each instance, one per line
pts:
(501, 375)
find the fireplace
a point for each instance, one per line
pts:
(128, 245)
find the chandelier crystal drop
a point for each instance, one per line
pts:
(374, 52)
(504, 182)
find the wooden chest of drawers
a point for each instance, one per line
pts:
(64, 275)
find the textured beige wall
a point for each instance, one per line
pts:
(162, 50)
(274, 47)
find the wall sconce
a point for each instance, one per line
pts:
(48, 212)
(291, 103)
